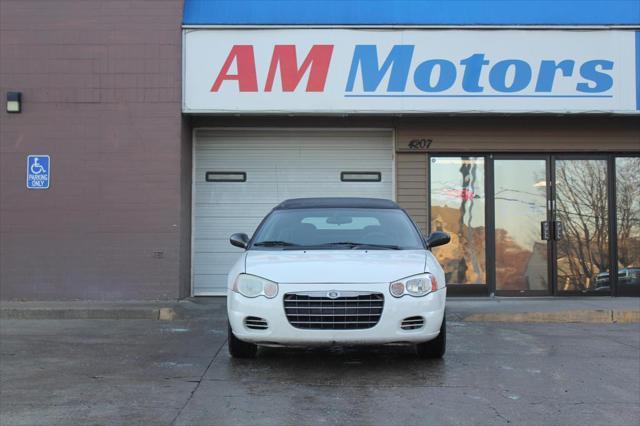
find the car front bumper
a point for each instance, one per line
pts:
(386, 331)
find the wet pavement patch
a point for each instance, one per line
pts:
(77, 372)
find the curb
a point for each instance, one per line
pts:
(605, 316)
(162, 311)
(164, 314)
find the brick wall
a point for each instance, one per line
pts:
(101, 94)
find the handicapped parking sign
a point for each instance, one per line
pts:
(38, 171)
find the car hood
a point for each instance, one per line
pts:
(335, 266)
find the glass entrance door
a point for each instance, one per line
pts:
(521, 213)
(548, 224)
(581, 222)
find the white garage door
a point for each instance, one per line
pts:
(264, 167)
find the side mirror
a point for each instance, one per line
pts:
(438, 238)
(239, 240)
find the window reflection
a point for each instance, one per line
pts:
(628, 219)
(458, 207)
(520, 207)
(582, 208)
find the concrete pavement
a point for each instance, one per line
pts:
(78, 372)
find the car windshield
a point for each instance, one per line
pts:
(337, 229)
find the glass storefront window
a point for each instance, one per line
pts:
(458, 207)
(552, 220)
(582, 207)
(628, 220)
(520, 207)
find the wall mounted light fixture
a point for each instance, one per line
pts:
(14, 102)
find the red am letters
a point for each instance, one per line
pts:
(318, 59)
(246, 64)
(284, 57)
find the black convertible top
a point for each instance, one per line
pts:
(337, 202)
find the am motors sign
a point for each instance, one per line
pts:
(330, 71)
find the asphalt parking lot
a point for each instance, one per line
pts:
(72, 372)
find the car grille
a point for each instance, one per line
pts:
(348, 311)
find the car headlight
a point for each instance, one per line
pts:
(417, 285)
(253, 286)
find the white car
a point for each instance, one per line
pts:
(337, 271)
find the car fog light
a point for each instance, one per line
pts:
(397, 289)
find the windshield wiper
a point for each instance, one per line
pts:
(275, 244)
(348, 244)
(354, 245)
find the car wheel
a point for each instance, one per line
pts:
(434, 348)
(240, 349)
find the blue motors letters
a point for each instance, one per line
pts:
(511, 75)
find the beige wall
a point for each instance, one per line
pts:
(582, 133)
(411, 186)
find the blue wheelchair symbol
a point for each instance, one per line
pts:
(38, 171)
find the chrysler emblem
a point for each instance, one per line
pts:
(333, 294)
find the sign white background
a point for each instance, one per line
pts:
(205, 51)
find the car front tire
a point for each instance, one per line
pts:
(240, 349)
(435, 348)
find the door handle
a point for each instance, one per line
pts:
(545, 230)
(558, 230)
